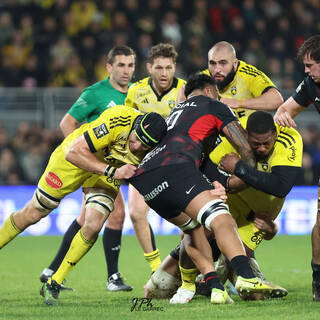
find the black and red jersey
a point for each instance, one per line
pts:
(193, 127)
(308, 92)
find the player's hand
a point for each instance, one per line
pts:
(125, 172)
(284, 119)
(263, 222)
(228, 162)
(219, 191)
(232, 103)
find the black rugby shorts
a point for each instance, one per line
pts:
(168, 190)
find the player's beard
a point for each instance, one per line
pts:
(229, 77)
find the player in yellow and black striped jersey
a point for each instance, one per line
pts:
(96, 156)
(144, 97)
(157, 93)
(242, 87)
(274, 178)
(278, 151)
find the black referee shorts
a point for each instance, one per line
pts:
(169, 189)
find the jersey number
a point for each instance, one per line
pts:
(172, 119)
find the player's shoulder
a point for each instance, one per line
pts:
(98, 84)
(180, 82)
(140, 83)
(288, 136)
(248, 69)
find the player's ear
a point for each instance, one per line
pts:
(109, 67)
(149, 66)
(235, 63)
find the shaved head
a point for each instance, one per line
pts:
(222, 63)
(224, 46)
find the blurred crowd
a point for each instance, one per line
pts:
(63, 43)
(24, 156)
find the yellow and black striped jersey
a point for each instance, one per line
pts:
(248, 82)
(143, 97)
(287, 151)
(107, 136)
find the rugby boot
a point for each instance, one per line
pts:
(219, 296)
(116, 283)
(252, 285)
(51, 293)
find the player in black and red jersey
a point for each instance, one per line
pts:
(171, 183)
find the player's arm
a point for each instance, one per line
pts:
(68, 124)
(286, 112)
(237, 136)
(269, 100)
(278, 182)
(80, 154)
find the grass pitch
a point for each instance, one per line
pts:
(284, 260)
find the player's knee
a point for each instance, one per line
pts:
(210, 211)
(137, 216)
(115, 220)
(100, 202)
(43, 202)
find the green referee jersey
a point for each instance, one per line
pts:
(96, 99)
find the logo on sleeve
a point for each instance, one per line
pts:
(100, 131)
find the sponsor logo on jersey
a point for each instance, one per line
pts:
(293, 155)
(53, 180)
(155, 192)
(110, 104)
(100, 131)
(258, 237)
(234, 90)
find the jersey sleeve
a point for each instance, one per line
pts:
(257, 81)
(288, 149)
(301, 96)
(84, 106)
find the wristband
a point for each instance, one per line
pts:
(110, 171)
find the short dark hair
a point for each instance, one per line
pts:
(310, 46)
(165, 50)
(260, 122)
(120, 51)
(198, 81)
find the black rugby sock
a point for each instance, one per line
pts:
(212, 281)
(64, 247)
(242, 267)
(111, 244)
(315, 271)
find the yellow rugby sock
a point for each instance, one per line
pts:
(78, 248)
(8, 231)
(154, 259)
(188, 277)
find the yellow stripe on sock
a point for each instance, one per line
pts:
(153, 259)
